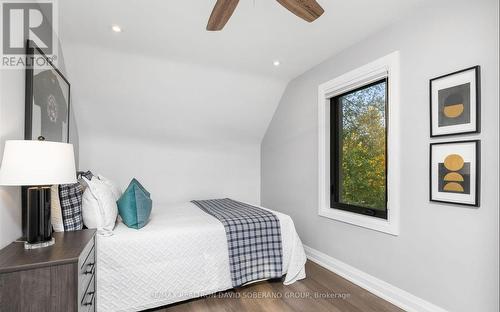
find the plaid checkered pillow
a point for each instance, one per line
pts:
(70, 196)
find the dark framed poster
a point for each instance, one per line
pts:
(455, 103)
(47, 108)
(455, 172)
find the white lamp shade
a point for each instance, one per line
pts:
(31, 163)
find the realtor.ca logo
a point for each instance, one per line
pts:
(23, 21)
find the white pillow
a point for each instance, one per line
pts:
(117, 193)
(99, 209)
(55, 210)
(90, 209)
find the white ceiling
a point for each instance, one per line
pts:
(259, 32)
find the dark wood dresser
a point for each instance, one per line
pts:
(56, 278)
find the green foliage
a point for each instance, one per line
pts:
(363, 148)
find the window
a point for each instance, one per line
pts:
(359, 146)
(358, 161)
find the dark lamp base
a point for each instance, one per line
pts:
(38, 227)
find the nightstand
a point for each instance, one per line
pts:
(56, 278)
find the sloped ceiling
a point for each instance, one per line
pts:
(164, 73)
(123, 94)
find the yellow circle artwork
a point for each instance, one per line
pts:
(453, 163)
(453, 111)
(453, 177)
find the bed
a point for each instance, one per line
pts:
(182, 253)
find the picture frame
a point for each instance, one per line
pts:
(47, 99)
(455, 173)
(455, 103)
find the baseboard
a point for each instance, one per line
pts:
(384, 290)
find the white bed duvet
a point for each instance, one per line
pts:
(180, 254)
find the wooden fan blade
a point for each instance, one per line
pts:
(221, 13)
(308, 10)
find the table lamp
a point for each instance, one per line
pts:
(37, 165)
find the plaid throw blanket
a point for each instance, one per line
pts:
(253, 237)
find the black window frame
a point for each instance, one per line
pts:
(335, 124)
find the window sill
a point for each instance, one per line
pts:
(373, 223)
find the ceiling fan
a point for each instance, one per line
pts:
(308, 10)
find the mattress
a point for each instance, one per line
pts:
(180, 254)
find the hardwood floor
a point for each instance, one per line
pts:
(321, 291)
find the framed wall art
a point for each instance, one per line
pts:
(47, 99)
(455, 172)
(455, 103)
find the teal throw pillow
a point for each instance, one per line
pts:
(135, 205)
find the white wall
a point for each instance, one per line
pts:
(445, 254)
(11, 127)
(177, 171)
(186, 131)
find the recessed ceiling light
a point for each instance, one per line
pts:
(276, 63)
(116, 28)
